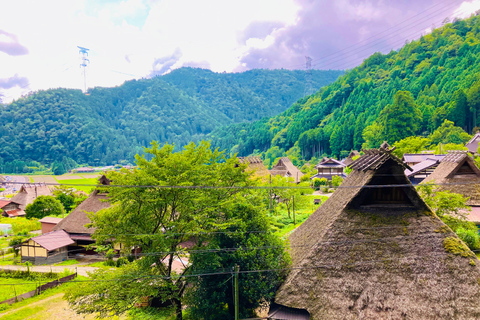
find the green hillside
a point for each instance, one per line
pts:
(388, 97)
(114, 124)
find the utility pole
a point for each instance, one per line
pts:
(293, 205)
(237, 269)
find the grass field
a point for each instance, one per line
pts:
(11, 286)
(84, 181)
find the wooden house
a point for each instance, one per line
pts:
(47, 248)
(412, 159)
(75, 223)
(11, 209)
(422, 170)
(286, 168)
(375, 250)
(329, 167)
(472, 145)
(28, 193)
(48, 223)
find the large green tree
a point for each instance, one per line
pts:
(158, 206)
(44, 206)
(260, 255)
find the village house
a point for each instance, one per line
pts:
(11, 209)
(412, 159)
(48, 223)
(373, 252)
(286, 168)
(348, 161)
(472, 145)
(48, 248)
(28, 193)
(329, 167)
(458, 173)
(422, 170)
(255, 165)
(74, 226)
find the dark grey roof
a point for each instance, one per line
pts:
(330, 163)
(419, 157)
(426, 164)
(472, 145)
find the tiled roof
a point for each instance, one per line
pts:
(419, 157)
(53, 240)
(429, 163)
(330, 163)
(472, 145)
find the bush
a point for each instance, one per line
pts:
(470, 237)
(316, 183)
(121, 261)
(336, 181)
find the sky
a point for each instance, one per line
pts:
(134, 39)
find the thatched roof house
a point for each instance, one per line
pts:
(374, 252)
(458, 173)
(286, 168)
(255, 165)
(75, 222)
(349, 160)
(28, 193)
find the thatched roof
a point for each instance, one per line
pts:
(255, 164)
(378, 253)
(28, 193)
(458, 173)
(77, 219)
(349, 160)
(286, 168)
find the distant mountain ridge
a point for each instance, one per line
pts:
(113, 124)
(391, 96)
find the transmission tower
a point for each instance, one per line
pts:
(308, 77)
(84, 54)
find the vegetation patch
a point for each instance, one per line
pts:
(457, 247)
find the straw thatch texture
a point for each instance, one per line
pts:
(255, 165)
(359, 258)
(286, 168)
(28, 194)
(75, 222)
(449, 176)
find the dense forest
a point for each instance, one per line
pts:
(110, 125)
(409, 92)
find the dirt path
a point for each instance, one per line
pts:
(31, 305)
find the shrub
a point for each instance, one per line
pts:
(316, 183)
(470, 237)
(336, 181)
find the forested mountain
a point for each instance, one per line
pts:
(113, 124)
(388, 97)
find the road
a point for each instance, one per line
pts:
(82, 271)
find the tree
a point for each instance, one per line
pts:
(257, 250)
(458, 110)
(160, 219)
(44, 206)
(448, 133)
(66, 195)
(402, 118)
(288, 192)
(410, 145)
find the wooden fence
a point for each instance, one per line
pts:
(39, 289)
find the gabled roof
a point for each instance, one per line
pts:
(53, 240)
(77, 219)
(50, 220)
(449, 175)
(286, 168)
(419, 157)
(330, 163)
(375, 250)
(28, 193)
(255, 164)
(472, 145)
(426, 164)
(14, 213)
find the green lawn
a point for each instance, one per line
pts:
(86, 184)
(21, 224)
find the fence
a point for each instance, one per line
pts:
(39, 289)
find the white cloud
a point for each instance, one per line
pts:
(467, 8)
(143, 31)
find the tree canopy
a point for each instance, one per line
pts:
(44, 206)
